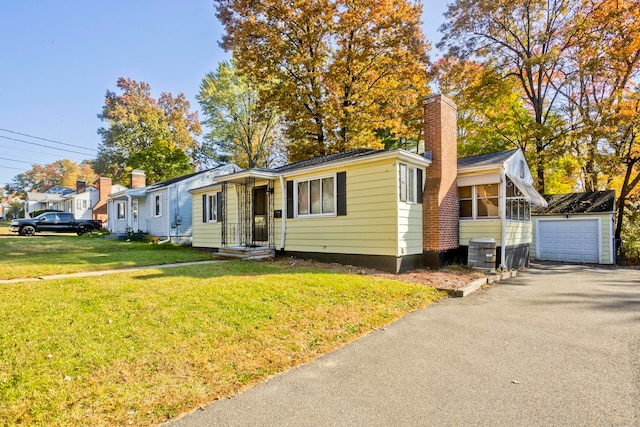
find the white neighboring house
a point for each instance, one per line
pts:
(53, 198)
(163, 209)
(81, 204)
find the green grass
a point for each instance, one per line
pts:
(24, 257)
(140, 348)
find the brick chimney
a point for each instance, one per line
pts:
(138, 178)
(100, 209)
(440, 205)
(81, 185)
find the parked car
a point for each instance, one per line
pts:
(56, 222)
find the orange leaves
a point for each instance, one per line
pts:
(337, 70)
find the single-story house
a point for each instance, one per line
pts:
(162, 209)
(84, 202)
(575, 227)
(52, 198)
(393, 210)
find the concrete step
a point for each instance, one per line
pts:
(246, 253)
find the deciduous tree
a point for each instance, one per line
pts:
(43, 177)
(242, 130)
(141, 127)
(338, 71)
(527, 41)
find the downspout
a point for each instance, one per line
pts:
(129, 213)
(168, 217)
(284, 213)
(237, 226)
(503, 208)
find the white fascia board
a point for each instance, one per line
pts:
(399, 154)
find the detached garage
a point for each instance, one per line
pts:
(576, 227)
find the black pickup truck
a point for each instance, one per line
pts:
(56, 222)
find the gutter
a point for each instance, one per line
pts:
(503, 208)
(129, 211)
(284, 213)
(168, 239)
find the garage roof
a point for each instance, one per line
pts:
(578, 203)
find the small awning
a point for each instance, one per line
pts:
(528, 191)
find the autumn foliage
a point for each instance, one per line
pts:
(337, 71)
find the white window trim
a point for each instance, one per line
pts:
(211, 215)
(124, 210)
(474, 204)
(409, 184)
(158, 198)
(314, 178)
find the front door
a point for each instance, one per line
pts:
(260, 217)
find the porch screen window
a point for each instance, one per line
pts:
(120, 210)
(518, 206)
(316, 197)
(157, 205)
(479, 201)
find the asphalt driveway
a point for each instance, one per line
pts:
(556, 346)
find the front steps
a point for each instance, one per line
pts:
(247, 253)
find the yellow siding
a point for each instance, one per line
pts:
(480, 228)
(375, 224)
(205, 234)
(518, 232)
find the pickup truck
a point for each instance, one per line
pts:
(56, 222)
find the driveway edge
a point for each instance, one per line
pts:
(479, 283)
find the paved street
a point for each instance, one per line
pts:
(556, 346)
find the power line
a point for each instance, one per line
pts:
(45, 139)
(20, 161)
(24, 150)
(9, 167)
(45, 146)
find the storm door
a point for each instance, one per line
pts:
(260, 217)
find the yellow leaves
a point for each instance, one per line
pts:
(342, 68)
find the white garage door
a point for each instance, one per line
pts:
(568, 240)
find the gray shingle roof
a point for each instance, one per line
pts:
(578, 203)
(486, 159)
(360, 152)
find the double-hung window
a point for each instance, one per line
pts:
(121, 210)
(408, 180)
(211, 207)
(156, 205)
(316, 197)
(479, 201)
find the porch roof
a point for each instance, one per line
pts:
(529, 191)
(256, 173)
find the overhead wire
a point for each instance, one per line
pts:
(45, 139)
(46, 146)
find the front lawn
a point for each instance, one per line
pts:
(23, 257)
(142, 347)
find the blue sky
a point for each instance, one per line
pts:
(58, 59)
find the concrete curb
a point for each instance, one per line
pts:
(479, 283)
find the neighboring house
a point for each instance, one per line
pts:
(162, 209)
(392, 210)
(576, 227)
(84, 202)
(53, 198)
(81, 202)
